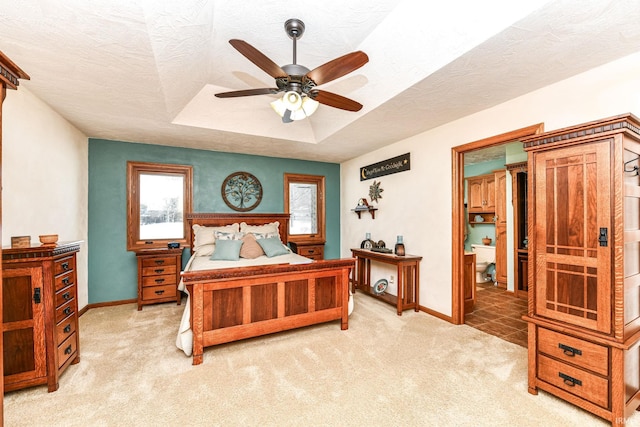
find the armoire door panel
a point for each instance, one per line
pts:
(23, 324)
(574, 184)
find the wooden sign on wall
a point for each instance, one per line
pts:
(387, 167)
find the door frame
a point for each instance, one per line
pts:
(457, 215)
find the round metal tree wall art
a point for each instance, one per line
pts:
(241, 191)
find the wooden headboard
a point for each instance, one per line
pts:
(222, 219)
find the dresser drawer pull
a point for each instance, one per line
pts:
(159, 292)
(159, 280)
(67, 311)
(159, 261)
(65, 266)
(65, 281)
(311, 251)
(159, 270)
(67, 329)
(570, 381)
(569, 351)
(66, 296)
(67, 350)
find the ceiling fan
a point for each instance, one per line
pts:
(299, 84)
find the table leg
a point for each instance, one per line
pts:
(401, 289)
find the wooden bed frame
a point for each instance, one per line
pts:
(237, 303)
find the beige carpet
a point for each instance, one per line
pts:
(386, 370)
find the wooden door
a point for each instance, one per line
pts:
(572, 196)
(23, 316)
(501, 227)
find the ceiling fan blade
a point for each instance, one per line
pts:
(258, 58)
(336, 101)
(338, 67)
(248, 92)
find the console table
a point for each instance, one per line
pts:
(408, 277)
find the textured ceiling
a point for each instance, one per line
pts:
(147, 70)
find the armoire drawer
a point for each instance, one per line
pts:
(585, 354)
(580, 382)
(158, 262)
(67, 349)
(65, 295)
(65, 280)
(63, 265)
(66, 328)
(64, 311)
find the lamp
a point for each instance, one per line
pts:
(294, 106)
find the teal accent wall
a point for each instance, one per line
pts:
(113, 274)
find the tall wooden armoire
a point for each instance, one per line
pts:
(584, 274)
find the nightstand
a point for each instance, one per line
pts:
(158, 276)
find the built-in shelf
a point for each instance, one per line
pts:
(488, 218)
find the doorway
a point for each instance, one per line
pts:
(458, 210)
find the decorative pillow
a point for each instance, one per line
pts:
(227, 250)
(223, 235)
(272, 246)
(259, 236)
(266, 228)
(205, 250)
(250, 248)
(204, 235)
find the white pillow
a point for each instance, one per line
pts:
(204, 236)
(271, 229)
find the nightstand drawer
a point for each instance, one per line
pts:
(311, 251)
(159, 270)
(573, 350)
(159, 262)
(574, 380)
(166, 279)
(158, 292)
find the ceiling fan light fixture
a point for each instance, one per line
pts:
(300, 107)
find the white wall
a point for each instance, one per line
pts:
(417, 203)
(44, 176)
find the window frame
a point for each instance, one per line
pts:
(319, 181)
(134, 170)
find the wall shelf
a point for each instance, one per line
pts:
(370, 209)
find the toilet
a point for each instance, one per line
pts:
(485, 256)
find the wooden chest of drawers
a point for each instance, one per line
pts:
(40, 314)
(158, 276)
(310, 250)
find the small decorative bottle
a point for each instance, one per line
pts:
(399, 249)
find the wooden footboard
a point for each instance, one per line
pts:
(233, 304)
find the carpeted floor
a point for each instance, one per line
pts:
(385, 370)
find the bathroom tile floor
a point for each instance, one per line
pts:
(499, 313)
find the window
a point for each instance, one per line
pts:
(304, 201)
(158, 196)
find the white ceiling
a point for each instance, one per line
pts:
(147, 70)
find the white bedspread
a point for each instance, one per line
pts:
(184, 340)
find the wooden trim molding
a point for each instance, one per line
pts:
(10, 74)
(457, 168)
